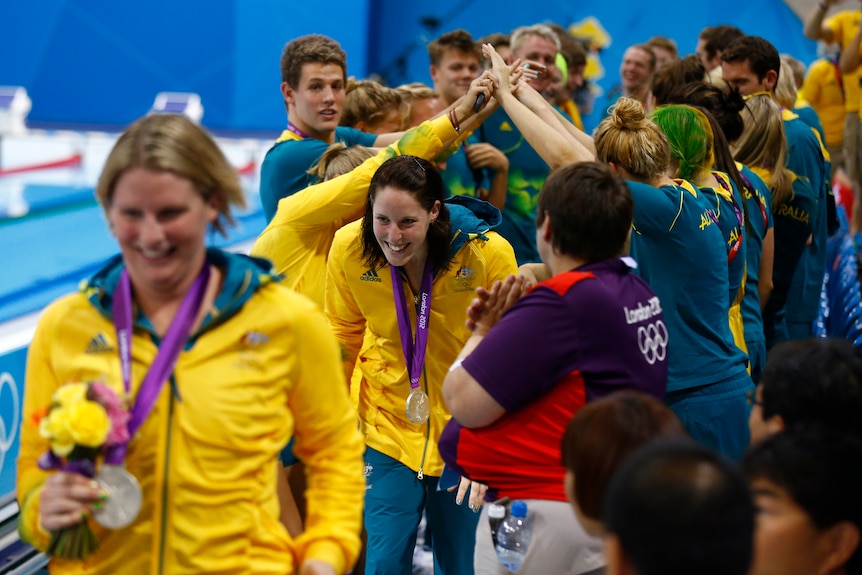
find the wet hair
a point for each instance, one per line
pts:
(678, 508)
(458, 40)
(339, 159)
(310, 49)
(814, 380)
(418, 178)
(764, 145)
(759, 53)
(368, 101)
(590, 210)
(632, 141)
(690, 137)
(718, 38)
(724, 103)
(674, 75)
(173, 143)
(785, 87)
(519, 35)
(411, 93)
(821, 471)
(603, 433)
(416, 91)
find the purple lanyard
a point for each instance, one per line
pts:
(414, 355)
(166, 357)
(291, 127)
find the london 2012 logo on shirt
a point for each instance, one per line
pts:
(652, 334)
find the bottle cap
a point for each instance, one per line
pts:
(496, 511)
(519, 508)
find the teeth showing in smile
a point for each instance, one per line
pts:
(154, 253)
(396, 249)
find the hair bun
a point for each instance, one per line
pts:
(628, 113)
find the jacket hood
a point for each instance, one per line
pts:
(243, 276)
(470, 218)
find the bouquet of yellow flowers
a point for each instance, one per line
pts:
(81, 423)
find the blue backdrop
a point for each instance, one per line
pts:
(102, 62)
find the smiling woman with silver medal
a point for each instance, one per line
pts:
(401, 328)
(218, 366)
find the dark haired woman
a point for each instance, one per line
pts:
(411, 246)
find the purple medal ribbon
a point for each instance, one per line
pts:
(166, 358)
(414, 354)
(291, 127)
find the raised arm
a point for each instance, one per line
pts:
(850, 56)
(814, 28)
(462, 113)
(542, 130)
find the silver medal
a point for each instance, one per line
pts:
(124, 497)
(418, 407)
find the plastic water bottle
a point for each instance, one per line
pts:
(496, 514)
(513, 537)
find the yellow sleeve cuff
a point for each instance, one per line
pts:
(29, 527)
(329, 552)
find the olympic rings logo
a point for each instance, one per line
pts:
(8, 434)
(652, 341)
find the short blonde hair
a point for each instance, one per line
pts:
(516, 39)
(368, 101)
(339, 159)
(173, 143)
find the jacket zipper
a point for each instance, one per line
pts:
(165, 480)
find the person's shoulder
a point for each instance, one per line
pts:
(62, 308)
(348, 237)
(844, 18)
(563, 283)
(352, 137)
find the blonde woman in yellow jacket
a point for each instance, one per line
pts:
(412, 264)
(259, 365)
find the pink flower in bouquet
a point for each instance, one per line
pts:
(81, 423)
(118, 415)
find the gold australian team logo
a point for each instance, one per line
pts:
(465, 279)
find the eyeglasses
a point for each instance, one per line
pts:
(751, 398)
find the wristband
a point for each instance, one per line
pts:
(453, 117)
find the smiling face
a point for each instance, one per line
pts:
(452, 76)
(401, 227)
(160, 221)
(315, 105)
(539, 49)
(636, 69)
